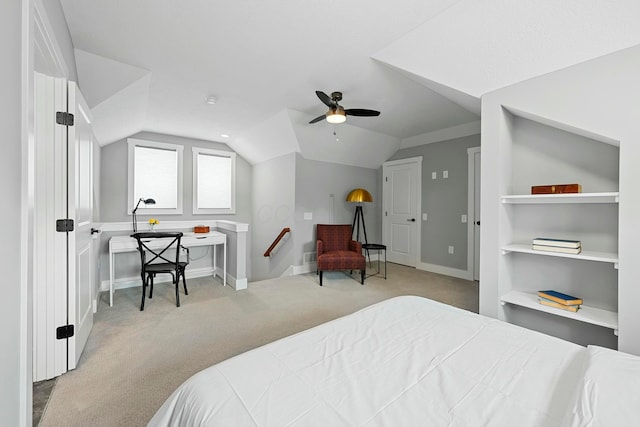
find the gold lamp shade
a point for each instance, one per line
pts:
(359, 195)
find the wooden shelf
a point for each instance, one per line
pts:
(521, 199)
(584, 255)
(592, 315)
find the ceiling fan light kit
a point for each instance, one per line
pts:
(337, 114)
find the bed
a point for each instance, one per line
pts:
(411, 361)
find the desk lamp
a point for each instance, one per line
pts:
(133, 212)
(359, 195)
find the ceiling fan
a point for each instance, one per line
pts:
(336, 113)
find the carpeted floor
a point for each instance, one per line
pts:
(134, 360)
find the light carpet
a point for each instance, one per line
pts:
(134, 360)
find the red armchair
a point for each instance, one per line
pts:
(336, 250)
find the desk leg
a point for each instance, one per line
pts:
(111, 272)
(215, 258)
(224, 266)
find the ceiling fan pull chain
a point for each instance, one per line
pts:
(335, 133)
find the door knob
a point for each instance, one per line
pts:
(94, 230)
(412, 220)
(477, 222)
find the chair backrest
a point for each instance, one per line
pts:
(152, 250)
(335, 237)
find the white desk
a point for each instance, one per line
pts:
(118, 244)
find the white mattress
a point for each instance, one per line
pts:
(407, 361)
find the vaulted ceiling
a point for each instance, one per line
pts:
(149, 65)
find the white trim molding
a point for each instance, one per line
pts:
(447, 271)
(471, 209)
(453, 132)
(134, 281)
(233, 226)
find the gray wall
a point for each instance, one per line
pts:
(443, 200)
(113, 190)
(273, 210)
(321, 189)
(13, 300)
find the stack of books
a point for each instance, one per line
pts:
(557, 299)
(557, 245)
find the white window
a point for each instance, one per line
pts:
(214, 181)
(155, 172)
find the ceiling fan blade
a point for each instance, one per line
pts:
(317, 119)
(326, 99)
(361, 112)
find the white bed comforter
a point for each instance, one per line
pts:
(407, 361)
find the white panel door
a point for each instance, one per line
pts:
(80, 205)
(50, 250)
(401, 208)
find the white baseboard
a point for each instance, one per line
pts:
(447, 271)
(304, 268)
(130, 282)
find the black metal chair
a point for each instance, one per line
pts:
(154, 259)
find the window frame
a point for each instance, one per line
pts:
(213, 211)
(131, 203)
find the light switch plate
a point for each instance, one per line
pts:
(450, 249)
(308, 216)
(424, 216)
(445, 174)
(434, 175)
(464, 218)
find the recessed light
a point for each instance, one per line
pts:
(224, 135)
(211, 100)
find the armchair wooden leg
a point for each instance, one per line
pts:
(320, 278)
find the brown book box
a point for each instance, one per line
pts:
(201, 229)
(556, 189)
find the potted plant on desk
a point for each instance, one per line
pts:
(152, 223)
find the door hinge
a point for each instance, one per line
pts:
(386, 179)
(385, 213)
(64, 332)
(64, 118)
(64, 225)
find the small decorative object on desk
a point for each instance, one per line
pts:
(556, 299)
(201, 229)
(557, 245)
(556, 189)
(152, 223)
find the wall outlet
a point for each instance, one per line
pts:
(445, 174)
(308, 216)
(424, 216)
(463, 218)
(450, 249)
(434, 175)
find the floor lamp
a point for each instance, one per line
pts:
(359, 195)
(133, 212)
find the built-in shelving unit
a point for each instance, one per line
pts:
(537, 152)
(587, 314)
(521, 199)
(584, 255)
